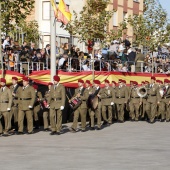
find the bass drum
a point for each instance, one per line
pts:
(92, 102)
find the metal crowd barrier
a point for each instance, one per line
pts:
(75, 65)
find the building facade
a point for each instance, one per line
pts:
(42, 11)
(123, 9)
(42, 14)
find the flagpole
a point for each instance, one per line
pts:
(1, 56)
(53, 45)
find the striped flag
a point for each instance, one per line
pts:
(53, 3)
(64, 14)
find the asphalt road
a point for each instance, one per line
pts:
(128, 146)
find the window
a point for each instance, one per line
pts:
(115, 19)
(125, 16)
(46, 10)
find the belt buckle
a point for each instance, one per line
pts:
(55, 99)
(119, 97)
(165, 97)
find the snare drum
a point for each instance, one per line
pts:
(75, 103)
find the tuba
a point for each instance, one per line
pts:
(142, 92)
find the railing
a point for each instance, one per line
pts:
(78, 65)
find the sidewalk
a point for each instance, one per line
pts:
(128, 146)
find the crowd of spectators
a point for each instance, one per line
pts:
(116, 56)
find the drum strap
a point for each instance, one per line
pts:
(82, 91)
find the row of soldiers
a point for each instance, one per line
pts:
(150, 100)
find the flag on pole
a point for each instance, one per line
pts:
(54, 8)
(64, 14)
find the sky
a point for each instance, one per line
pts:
(166, 5)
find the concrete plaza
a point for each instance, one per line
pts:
(128, 146)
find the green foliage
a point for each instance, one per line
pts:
(14, 11)
(30, 30)
(93, 22)
(150, 29)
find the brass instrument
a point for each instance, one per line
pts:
(142, 91)
(162, 91)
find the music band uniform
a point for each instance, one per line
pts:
(46, 110)
(56, 102)
(26, 98)
(165, 101)
(82, 109)
(14, 108)
(135, 103)
(106, 99)
(120, 96)
(5, 105)
(96, 112)
(37, 106)
(152, 100)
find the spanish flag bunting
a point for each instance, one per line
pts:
(64, 14)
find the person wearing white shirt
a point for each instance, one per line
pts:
(6, 42)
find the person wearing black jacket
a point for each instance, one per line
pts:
(127, 42)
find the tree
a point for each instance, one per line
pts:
(30, 30)
(93, 22)
(13, 12)
(150, 29)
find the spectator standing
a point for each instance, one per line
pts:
(105, 52)
(131, 59)
(61, 49)
(47, 49)
(11, 57)
(139, 61)
(6, 42)
(62, 59)
(66, 49)
(127, 42)
(113, 50)
(86, 67)
(23, 45)
(57, 50)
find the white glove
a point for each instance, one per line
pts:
(112, 103)
(8, 109)
(48, 106)
(30, 107)
(62, 108)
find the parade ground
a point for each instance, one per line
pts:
(127, 146)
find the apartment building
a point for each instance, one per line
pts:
(41, 13)
(123, 9)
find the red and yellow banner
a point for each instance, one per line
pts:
(9, 74)
(69, 79)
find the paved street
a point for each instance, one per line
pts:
(130, 146)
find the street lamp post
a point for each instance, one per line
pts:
(2, 67)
